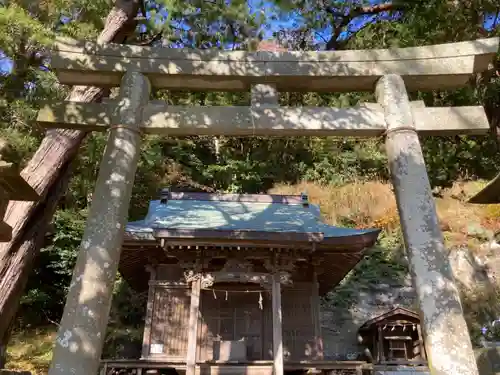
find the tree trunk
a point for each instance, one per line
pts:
(21, 261)
(47, 172)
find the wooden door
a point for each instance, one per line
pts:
(235, 317)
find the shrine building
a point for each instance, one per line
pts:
(234, 280)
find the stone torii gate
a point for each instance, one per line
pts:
(389, 72)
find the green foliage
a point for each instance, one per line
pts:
(31, 350)
(48, 285)
(19, 30)
(125, 327)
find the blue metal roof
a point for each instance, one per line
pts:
(236, 216)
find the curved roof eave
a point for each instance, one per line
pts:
(237, 221)
(357, 240)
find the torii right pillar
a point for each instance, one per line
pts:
(447, 340)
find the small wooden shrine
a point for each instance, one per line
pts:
(394, 338)
(235, 280)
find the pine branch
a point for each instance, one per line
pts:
(151, 40)
(364, 10)
(354, 12)
(496, 20)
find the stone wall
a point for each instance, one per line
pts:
(340, 325)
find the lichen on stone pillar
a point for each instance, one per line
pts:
(447, 339)
(83, 327)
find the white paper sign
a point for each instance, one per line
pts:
(156, 349)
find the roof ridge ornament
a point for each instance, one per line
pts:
(164, 195)
(304, 197)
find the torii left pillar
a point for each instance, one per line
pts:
(83, 326)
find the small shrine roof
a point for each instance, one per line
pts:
(398, 312)
(248, 216)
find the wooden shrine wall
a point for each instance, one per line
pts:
(169, 326)
(235, 315)
(300, 311)
(170, 315)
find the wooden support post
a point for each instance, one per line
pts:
(193, 327)
(374, 352)
(423, 357)
(146, 337)
(83, 326)
(447, 338)
(380, 347)
(316, 317)
(277, 325)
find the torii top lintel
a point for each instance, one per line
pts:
(442, 66)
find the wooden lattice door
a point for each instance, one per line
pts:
(237, 316)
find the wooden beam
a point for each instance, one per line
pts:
(14, 184)
(365, 120)
(193, 327)
(381, 355)
(277, 326)
(316, 316)
(251, 235)
(423, 355)
(256, 198)
(423, 68)
(5, 232)
(146, 338)
(12, 187)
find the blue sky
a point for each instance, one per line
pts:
(5, 64)
(489, 21)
